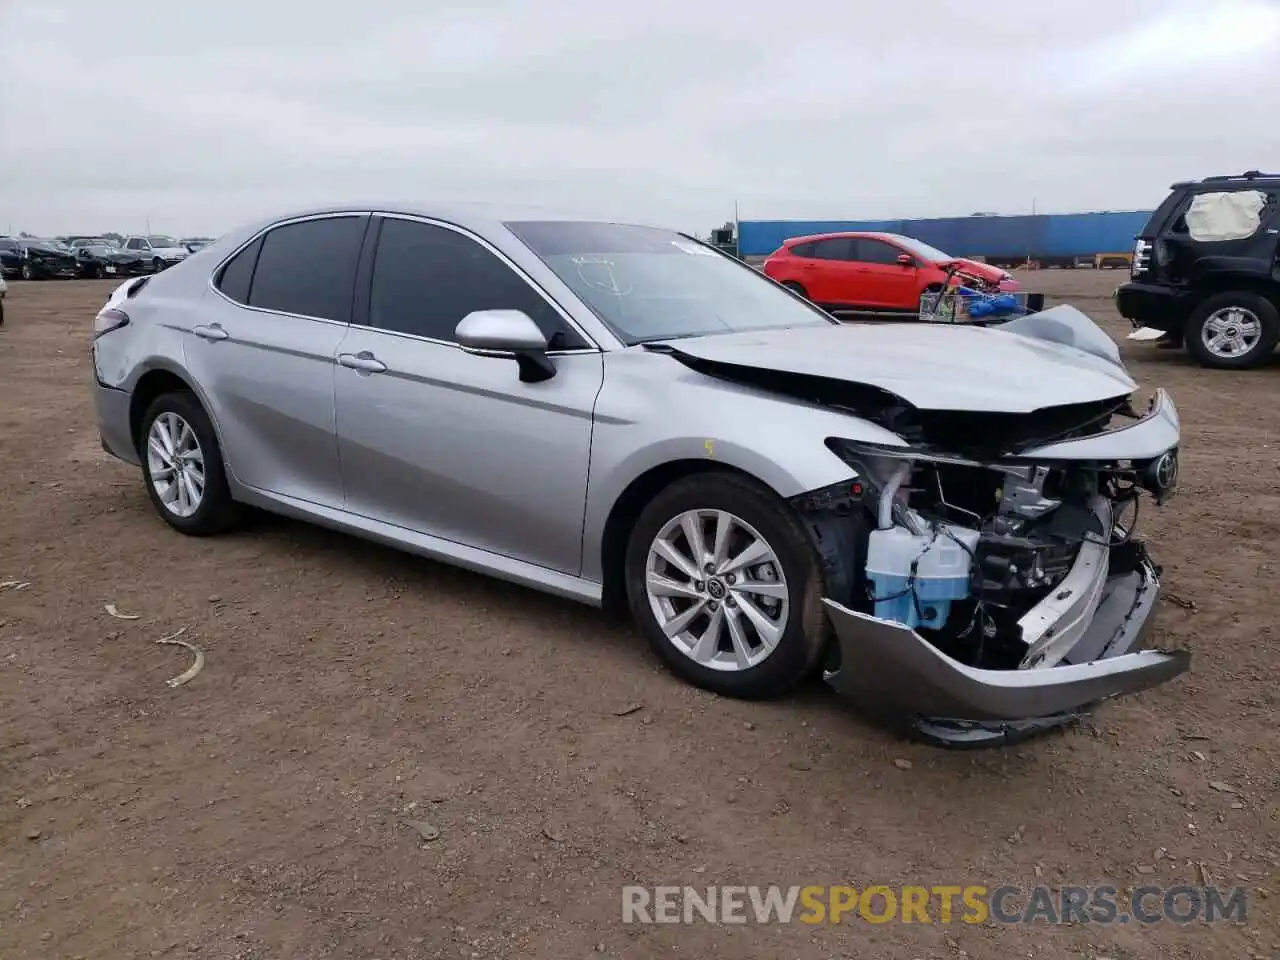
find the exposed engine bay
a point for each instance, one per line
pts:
(1000, 566)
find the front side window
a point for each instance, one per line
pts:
(136, 244)
(646, 283)
(877, 251)
(426, 278)
(308, 268)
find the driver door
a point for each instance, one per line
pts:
(453, 445)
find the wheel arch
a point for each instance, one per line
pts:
(157, 380)
(1212, 284)
(626, 510)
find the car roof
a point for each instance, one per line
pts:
(845, 234)
(481, 217)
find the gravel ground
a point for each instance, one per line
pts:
(257, 811)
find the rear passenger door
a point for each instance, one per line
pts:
(263, 348)
(450, 444)
(832, 281)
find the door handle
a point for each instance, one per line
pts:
(364, 361)
(212, 332)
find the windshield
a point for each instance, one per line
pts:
(647, 284)
(163, 242)
(49, 246)
(920, 249)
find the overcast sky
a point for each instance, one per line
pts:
(205, 115)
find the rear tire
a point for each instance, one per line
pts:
(213, 511)
(740, 663)
(1235, 330)
(796, 288)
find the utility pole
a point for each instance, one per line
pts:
(148, 224)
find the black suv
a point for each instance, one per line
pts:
(1213, 286)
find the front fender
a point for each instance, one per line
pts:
(652, 411)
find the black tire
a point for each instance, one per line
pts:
(805, 635)
(217, 512)
(1, 311)
(27, 272)
(796, 288)
(157, 265)
(97, 273)
(1259, 306)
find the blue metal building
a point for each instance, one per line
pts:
(1047, 237)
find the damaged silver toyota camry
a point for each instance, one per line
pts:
(941, 520)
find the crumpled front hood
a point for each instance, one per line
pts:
(941, 366)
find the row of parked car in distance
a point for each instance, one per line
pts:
(92, 257)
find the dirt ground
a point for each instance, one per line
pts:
(256, 812)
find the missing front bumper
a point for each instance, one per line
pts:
(888, 668)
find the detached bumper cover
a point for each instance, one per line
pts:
(888, 667)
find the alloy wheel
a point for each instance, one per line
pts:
(717, 590)
(175, 463)
(1231, 332)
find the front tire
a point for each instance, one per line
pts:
(182, 467)
(725, 586)
(1236, 330)
(27, 272)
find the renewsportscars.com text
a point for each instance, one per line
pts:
(939, 904)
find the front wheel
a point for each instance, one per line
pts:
(27, 272)
(182, 467)
(1236, 330)
(157, 265)
(727, 589)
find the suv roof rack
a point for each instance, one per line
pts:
(1247, 176)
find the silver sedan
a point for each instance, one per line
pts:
(623, 415)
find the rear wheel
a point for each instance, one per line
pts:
(157, 264)
(796, 288)
(1235, 330)
(182, 467)
(726, 587)
(27, 272)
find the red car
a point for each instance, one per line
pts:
(880, 272)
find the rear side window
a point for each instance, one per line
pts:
(802, 249)
(309, 268)
(234, 278)
(837, 248)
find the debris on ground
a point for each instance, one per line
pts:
(628, 710)
(1221, 786)
(1179, 601)
(426, 831)
(14, 584)
(195, 667)
(902, 763)
(113, 611)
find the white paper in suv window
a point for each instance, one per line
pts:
(1225, 216)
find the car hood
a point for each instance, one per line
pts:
(977, 269)
(1048, 359)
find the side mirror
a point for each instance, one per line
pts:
(906, 260)
(507, 332)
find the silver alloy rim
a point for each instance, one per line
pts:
(717, 590)
(1231, 332)
(175, 464)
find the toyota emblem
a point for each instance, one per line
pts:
(1167, 470)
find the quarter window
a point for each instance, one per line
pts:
(234, 278)
(426, 278)
(309, 268)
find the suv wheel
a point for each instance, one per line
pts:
(1233, 331)
(182, 467)
(726, 587)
